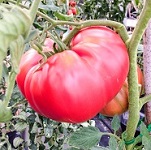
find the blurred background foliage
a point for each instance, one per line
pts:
(104, 9)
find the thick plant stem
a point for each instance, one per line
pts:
(10, 86)
(133, 83)
(118, 27)
(144, 100)
(33, 9)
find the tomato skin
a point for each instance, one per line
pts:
(48, 43)
(119, 104)
(69, 12)
(74, 10)
(72, 3)
(30, 59)
(73, 85)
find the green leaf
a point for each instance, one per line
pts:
(86, 137)
(21, 116)
(115, 124)
(113, 143)
(63, 17)
(143, 130)
(17, 141)
(5, 70)
(72, 148)
(16, 51)
(20, 126)
(2, 143)
(146, 142)
(33, 34)
(5, 113)
(99, 148)
(49, 7)
(121, 145)
(48, 130)
(34, 128)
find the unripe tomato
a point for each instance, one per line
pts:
(119, 104)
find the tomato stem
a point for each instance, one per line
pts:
(144, 100)
(134, 107)
(10, 87)
(120, 28)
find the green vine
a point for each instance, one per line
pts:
(134, 107)
(144, 100)
(120, 28)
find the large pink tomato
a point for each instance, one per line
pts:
(74, 85)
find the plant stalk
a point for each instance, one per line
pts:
(10, 86)
(120, 28)
(133, 83)
(144, 100)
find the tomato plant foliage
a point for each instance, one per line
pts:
(74, 85)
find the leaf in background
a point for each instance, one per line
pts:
(143, 130)
(17, 141)
(121, 145)
(21, 116)
(20, 126)
(113, 143)
(33, 34)
(16, 51)
(49, 6)
(63, 17)
(34, 128)
(48, 130)
(137, 2)
(100, 148)
(2, 144)
(146, 142)
(115, 124)
(86, 137)
(72, 148)
(38, 26)
(5, 112)
(140, 48)
(33, 147)
(5, 70)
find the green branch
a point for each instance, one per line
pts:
(144, 100)
(133, 83)
(120, 28)
(10, 86)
